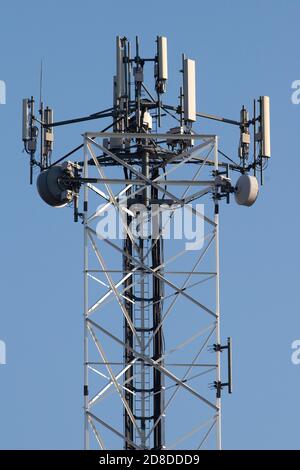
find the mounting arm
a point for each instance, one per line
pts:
(220, 385)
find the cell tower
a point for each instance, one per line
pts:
(152, 341)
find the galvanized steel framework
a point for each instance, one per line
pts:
(142, 377)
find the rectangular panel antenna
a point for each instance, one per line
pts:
(162, 52)
(265, 127)
(161, 65)
(120, 77)
(25, 121)
(189, 90)
(48, 132)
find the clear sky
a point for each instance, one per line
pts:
(243, 50)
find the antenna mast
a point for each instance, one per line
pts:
(152, 338)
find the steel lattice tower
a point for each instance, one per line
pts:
(139, 293)
(152, 342)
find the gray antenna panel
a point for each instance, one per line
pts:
(48, 131)
(120, 78)
(189, 90)
(25, 121)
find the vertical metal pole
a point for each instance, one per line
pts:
(144, 307)
(218, 337)
(158, 379)
(128, 339)
(254, 135)
(142, 336)
(85, 353)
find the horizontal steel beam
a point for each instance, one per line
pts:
(140, 135)
(145, 183)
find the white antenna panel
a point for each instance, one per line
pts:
(189, 90)
(162, 48)
(265, 127)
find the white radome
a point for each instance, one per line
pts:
(246, 190)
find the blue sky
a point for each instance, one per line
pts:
(242, 51)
